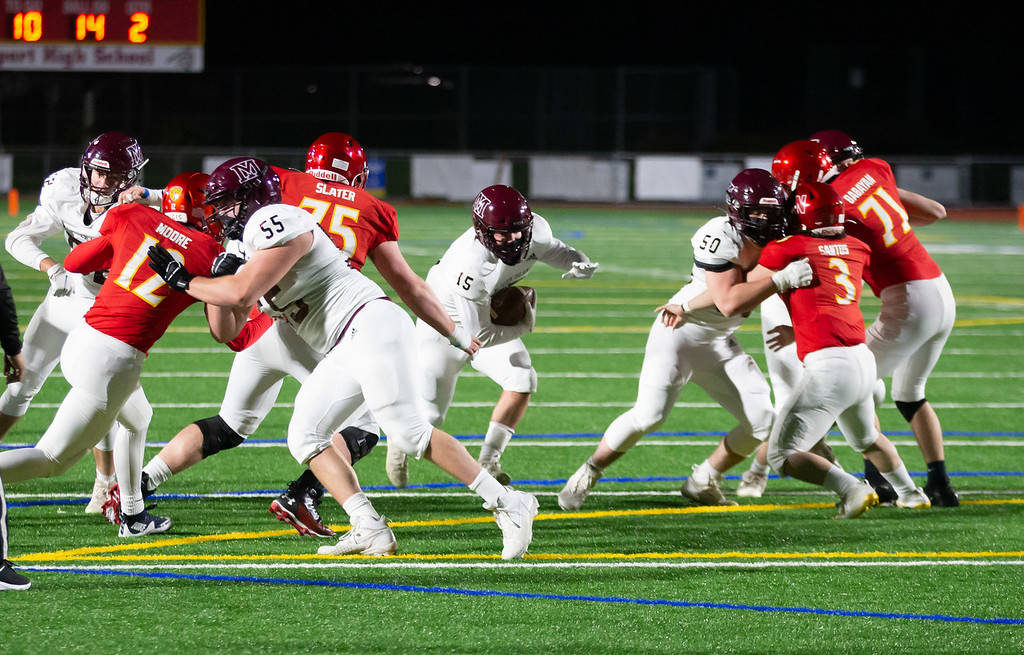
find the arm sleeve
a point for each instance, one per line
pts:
(253, 329)
(10, 339)
(93, 255)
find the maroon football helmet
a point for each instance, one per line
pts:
(184, 200)
(841, 148)
(803, 161)
(116, 155)
(239, 187)
(501, 208)
(338, 157)
(819, 208)
(756, 206)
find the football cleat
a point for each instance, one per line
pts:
(100, 495)
(397, 467)
(11, 579)
(143, 523)
(915, 500)
(494, 468)
(752, 485)
(366, 537)
(112, 507)
(942, 495)
(514, 514)
(856, 501)
(578, 487)
(299, 508)
(704, 494)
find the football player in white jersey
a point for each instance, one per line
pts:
(367, 344)
(506, 240)
(702, 347)
(73, 201)
(264, 359)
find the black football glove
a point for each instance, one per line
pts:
(170, 269)
(226, 263)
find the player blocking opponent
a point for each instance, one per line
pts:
(361, 226)
(701, 347)
(918, 309)
(102, 358)
(839, 370)
(367, 341)
(504, 242)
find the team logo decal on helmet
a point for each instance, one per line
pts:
(500, 213)
(819, 208)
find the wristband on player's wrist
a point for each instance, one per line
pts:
(685, 304)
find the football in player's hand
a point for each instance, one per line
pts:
(508, 306)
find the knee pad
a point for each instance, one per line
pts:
(909, 409)
(521, 380)
(359, 442)
(217, 436)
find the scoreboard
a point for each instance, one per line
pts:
(102, 35)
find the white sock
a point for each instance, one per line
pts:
(358, 506)
(106, 479)
(758, 467)
(497, 438)
(839, 481)
(900, 480)
(158, 472)
(705, 472)
(591, 464)
(488, 488)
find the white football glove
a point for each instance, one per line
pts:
(460, 338)
(797, 274)
(581, 271)
(530, 317)
(60, 280)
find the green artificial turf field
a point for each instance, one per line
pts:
(637, 570)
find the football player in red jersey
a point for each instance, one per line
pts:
(918, 309)
(361, 226)
(72, 201)
(102, 358)
(839, 370)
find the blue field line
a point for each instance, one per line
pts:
(457, 485)
(455, 591)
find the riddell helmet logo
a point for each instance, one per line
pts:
(480, 205)
(246, 170)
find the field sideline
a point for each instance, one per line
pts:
(637, 569)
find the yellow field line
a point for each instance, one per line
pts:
(822, 555)
(78, 553)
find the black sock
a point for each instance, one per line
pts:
(937, 473)
(309, 481)
(872, 474)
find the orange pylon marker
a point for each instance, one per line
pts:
(12, 202)
(1020, 216)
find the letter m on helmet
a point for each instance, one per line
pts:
(246, 169)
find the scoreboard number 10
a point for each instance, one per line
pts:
(28, 26)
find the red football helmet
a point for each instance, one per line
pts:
(801, 161)
(501, 208)
(819, 208)
(338, 157)
(756, 205)
(116, 155)
(184, 200)
(841, 148)
(239, 187)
